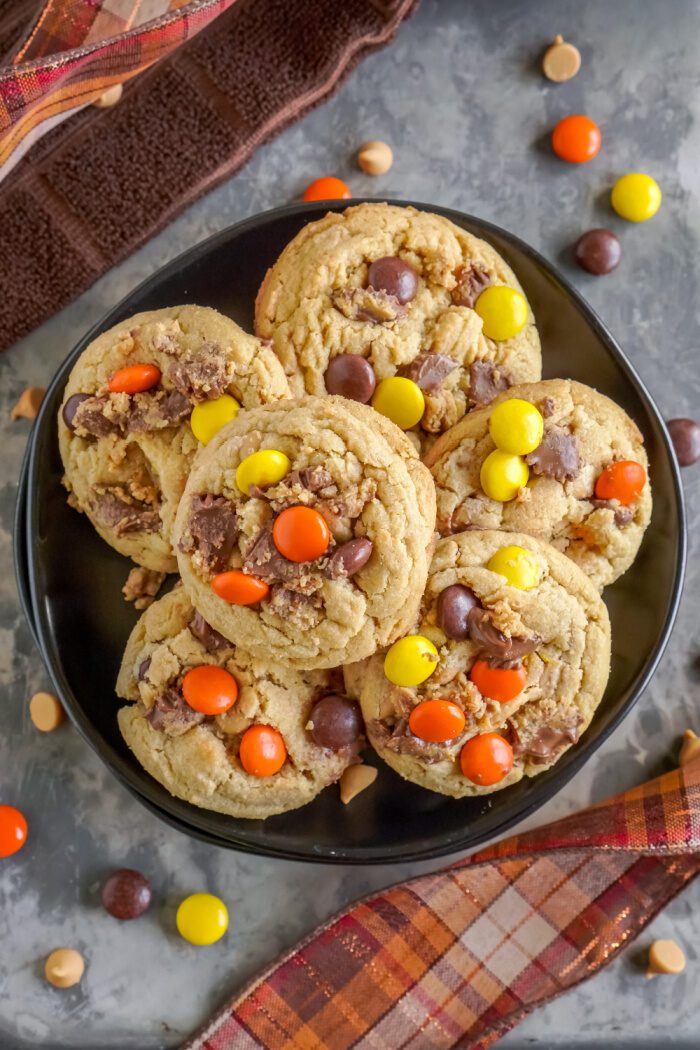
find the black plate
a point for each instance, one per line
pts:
(82, 622)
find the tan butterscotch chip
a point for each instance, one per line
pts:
(690, 748)
(64, 968)
(665, 956)
(375, 158)
(28, 403)
(354, 780)
(46, 712)
(561, 61)
(110, 97)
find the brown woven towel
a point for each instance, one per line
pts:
(80, 202)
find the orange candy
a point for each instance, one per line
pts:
(134, 378)
(576, 139)
(301, 534)
(13, 830)
(622, 481)
(327, 188)
(498, 683)
(262, 752)
(239, 588)
(210, 690)
(486, 759)
(436, 721)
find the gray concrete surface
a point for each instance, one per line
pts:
(460, 98)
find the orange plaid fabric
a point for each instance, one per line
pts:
(457, 958)
(76, 49)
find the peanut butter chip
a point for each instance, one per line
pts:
(562, 61)
(354, 780)
(375, 158)
(46, 712)
(64, 968)
(28, 404)
(690, 748)
(665, 957)
(110, 97)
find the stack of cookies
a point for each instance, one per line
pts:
(388, 530)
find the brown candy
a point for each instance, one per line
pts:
(71, 407)
(394, 276)
(453, 607)
(126, 894)
(336, 723)
(685, 435)
(349, 558)
(598, 251)
(351, 376)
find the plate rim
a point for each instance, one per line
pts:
(41, 627)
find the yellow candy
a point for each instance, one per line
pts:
(262, 468)
(516, 426)
(410, 660)
(519, 567)
(401, 400)
(503, 311)
(202, 918)
(636, 197)
(503, 475)
(209, 417)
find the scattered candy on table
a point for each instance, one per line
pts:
(209, 417)
(665, 957)
(202, 919)
(436, 720)
(126, 894)
(239, 588)
(502, 684)
(262, 751)
(690, 748)
(623, 481)
(636, 197)
(375, 157)
(410, 660)
(400, 400)
(598, 251)
(685, 435)
(28, 402)
(503, 475)
(327, 188)
(263, 468)
(517, 565)
(576, 139)
(486, 759)
(210, 690)
(110, 97)
(516, 426)
(561, 61)
(503, 311)
(354, 780)
(13, 830)
(301, 534)
(134, 379)
(352, 376)
(46, 712)
(64, 968)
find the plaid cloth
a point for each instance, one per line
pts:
(457, 958)
(77, 49)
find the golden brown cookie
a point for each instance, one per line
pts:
(197, 757)
(505, 679)
(398, 288)
(565, 502)
(355, 483)
(126, 455)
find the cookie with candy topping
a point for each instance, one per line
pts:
(578, 479)
(378, 291)
(207, 754)
(304, 531)
(502, 672)
(130, 405)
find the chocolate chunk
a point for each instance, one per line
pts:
(453, 607)
(349, 558)
(311, 478)
(368, 304)
(622, 515)
(205, 633)
(171, 712)
(685, 435)
(401, 741)
(394, 276)
(143, 669)
(89, 416)
(71, 407)
(429, 370)
(484, 383)
(556, 456)
(494, 646)
(203, 377)
(113, 507)
(286, 602)
(336, 723)
(264, 560)
(547, 742)
(213, 530)
(166, 408)
(470, 284)
(598, 251)
(351, 376)
(547, 407)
